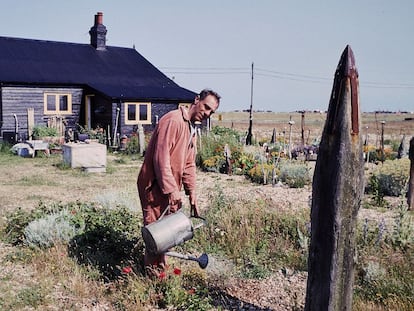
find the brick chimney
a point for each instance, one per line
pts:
(98, 33)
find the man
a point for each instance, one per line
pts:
(169, 164)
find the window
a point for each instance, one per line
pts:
(57, 103)
(137, 113)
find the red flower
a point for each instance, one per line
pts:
(191, 291)
(162, 275)
(177, 271)
(126, 270)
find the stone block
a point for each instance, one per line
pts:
(89, 156)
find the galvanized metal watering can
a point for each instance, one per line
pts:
(169, 231)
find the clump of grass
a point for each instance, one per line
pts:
(257, 239)
(33, 296)
(119, 199)
(385, 268)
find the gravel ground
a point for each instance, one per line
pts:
(283, 290)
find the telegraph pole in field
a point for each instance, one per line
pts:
(249, 134)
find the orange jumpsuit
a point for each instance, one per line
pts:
(169, 164)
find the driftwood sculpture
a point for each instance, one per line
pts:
(336, 195)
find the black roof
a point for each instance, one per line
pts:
(115, 72)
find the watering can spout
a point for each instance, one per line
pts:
(202, 260)
(169, 231)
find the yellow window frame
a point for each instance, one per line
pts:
(57, 98)
(137, 119)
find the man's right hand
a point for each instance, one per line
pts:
(174, 199)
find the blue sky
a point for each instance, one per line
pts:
(295, 45)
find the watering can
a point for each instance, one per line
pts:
(169, 231)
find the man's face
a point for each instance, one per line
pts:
(205, 108)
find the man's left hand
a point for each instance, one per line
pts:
(193, 206)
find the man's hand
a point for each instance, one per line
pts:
(193, 205)
(174, 200)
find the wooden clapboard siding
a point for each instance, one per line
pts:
(16, 100)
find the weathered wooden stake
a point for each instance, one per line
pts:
(141, 139)
(302, 130)
(410, 193)
(336, 196)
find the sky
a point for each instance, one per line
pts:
(290, 48)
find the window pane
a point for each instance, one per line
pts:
(63, 103)
(51, 102)
(132, 115)
(143, 112)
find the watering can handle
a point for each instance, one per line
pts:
(167, 210)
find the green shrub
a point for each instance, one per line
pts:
(294, 174)
(16, 222)
(214, 163)
(44, 131)
(389, 178)
(262, 173)
(98, 236)
(51, 229)
(212, 146)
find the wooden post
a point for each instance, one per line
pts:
(249, 133)
(302, 126)
(141, 139)
(291, 122)
(30, 122)
(336, 196)
(410, 193)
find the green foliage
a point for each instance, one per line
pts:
(20, 255)
(384, 283)
(403, 231)
(16, 222)
(262, 173)
(376, 191)
(385, 267)
(51, 229)
(33, 296)
(389, 179)
(132, 146)
(44, 131)
(173, 289)
(105, 238)
(294, 174)
(111, 238)
(5, 148)
(210, 156)
(256, 239)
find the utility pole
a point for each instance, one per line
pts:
(249, 134)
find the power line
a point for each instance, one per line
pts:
(275, 74)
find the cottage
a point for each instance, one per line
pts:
(91, 85)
